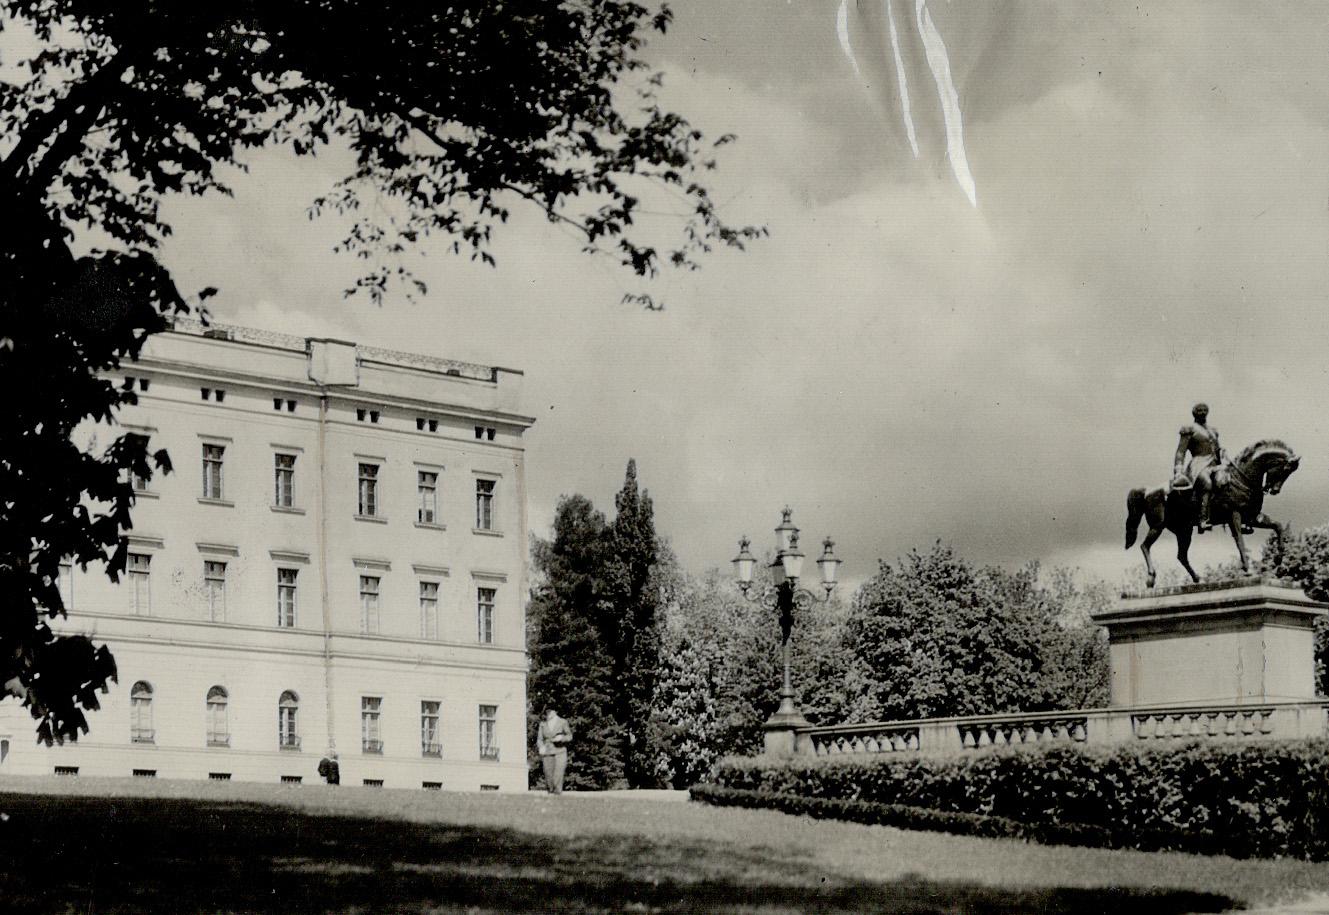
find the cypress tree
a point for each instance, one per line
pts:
(632, 628)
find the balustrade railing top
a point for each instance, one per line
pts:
(1286, 718)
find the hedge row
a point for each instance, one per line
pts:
(1257, 798)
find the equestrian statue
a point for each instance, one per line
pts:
(1208, 491)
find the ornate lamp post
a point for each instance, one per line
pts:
(782, 726)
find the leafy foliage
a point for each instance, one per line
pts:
(1304, 559)
(1245, 798)
(595, 645)
(452, 114)
(451, 111)
(571, 667)
(934, 636)
(721, 671)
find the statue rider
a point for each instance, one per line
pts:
(1200, 441)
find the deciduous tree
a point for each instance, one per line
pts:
(454, 113)
(934, 636)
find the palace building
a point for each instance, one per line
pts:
(336, 562)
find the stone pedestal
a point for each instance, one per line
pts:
(780, 737)
(1244, 641)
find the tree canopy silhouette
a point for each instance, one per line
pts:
(453, 113)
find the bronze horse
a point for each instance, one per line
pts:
(1237, 500)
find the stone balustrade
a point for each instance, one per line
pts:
(1225, 721)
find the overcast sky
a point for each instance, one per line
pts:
(1114, 211)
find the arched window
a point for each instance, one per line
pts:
(140, 713)
(288, 710)
(219, 731)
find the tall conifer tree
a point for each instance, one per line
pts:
(633, 629)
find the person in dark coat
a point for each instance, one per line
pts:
(329, 770)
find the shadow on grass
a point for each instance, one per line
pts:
(167, 855)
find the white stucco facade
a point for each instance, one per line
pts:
(344, 536)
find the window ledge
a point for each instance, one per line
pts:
(484, 532)
(373, 519)
(287, 509)
(146, 494)
(431, 525)
(203, 500)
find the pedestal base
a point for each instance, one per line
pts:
(1245, 641)
(780, 737)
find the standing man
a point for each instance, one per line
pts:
(551, 742)
(1200, 441)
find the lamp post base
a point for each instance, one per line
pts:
(780, 737)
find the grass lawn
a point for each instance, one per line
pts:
(120, 845)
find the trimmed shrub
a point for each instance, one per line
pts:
(1256, 798)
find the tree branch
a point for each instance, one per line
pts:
(67, 113)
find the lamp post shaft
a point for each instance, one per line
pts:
(785, 602)
(782, 727)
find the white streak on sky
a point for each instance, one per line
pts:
(904, 83)
(842, 32)
(950, 99)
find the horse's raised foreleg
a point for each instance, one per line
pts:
(1264, 521)
(1149, 540)
(1234, 525)
(1184, 550)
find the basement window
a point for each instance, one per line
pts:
(432, 786)
(145, 773)
(373, 783)
(66, 770)
(219, 776)
(292, 779)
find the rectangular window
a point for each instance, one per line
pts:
(372, 782)
(429, 610)
(371, 738)
(284, 482)
(484, 613)
(219, 731)
(286, 598)
(140, 718)
(429, 741)
(368, 505)
(212, 471)
(488, 732)
(65, 585)
(484, 505)
(288, 733)
(292, 779)
(136, 571)
(138, 482)
(214, 590)
(66, 770)
(427, 489)
(145, 773)
(432, 786)
(369, 604)
(219, 776)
